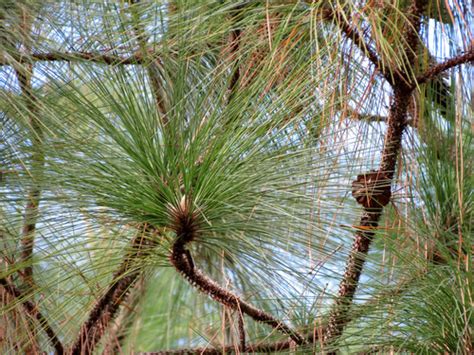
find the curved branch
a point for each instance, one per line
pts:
(33, 312)
(182, 261)
(277, 346)
(353, 34)
(185, 225)
(446, 65)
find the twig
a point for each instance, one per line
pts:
(21, 58)
(270, 347)
(33, 312)
(235, 38)
(353, 34)
(152, 67)
(107, 306)
(354, 115)
(446, 65)
(251, 348)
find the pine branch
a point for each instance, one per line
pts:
(101, 58)
(251, 348)
(181, 260)
(280, 346)
(24, 74)
(270, 347)
(437, 69)
(373, 190)
(241, 330)
(353, 34)
(33, 312)
(186, 226)
(118, 332)
(34, 194)
(235, 38)
(107, 306)
(152, 67)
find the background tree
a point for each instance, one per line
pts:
(236, 176)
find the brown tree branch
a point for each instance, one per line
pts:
(376, 186)
(152, 68)
(241, 329)
(181, 260)
(354, 35)
(185, 224)
(118, 332)
(270, 347)
(230, 349)
(354, 115)
(33, 312)
(101, 58)
(31, 212)
(277, 346)
(24, 74)
(235, 38)
(359, 41)
(107, 306)
(446, 65)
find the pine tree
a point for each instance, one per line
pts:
(232, 176)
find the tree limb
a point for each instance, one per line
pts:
(354, 35)
(107, 306)
(20, 58)
(33, 312)
(24, 73)
(241, 329)
(277, 346)
(152, 67)
(30, 216)
(119, 330)
(376, 186)
(185, 224)
(446, 65)
(251, 348)
(270, 347)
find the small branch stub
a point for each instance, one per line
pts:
(372, 190)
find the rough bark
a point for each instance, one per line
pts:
(186, 226)
(108, 305)
(339, 316)
(33, 312)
